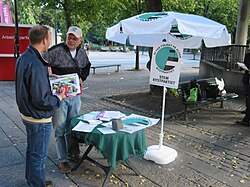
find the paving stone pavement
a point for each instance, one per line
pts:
(212, 150)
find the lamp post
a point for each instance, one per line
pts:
(16, 48)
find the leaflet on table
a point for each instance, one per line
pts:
(101, 115)
(69, 82)
(89, 116)
(83, 127)
(108, 115)
(106, 130)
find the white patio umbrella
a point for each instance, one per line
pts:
(149, 29)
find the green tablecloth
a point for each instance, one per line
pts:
(114, 147)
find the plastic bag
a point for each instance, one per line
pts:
(193, 97)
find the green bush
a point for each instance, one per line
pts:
(95, 48)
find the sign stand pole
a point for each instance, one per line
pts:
(161, 154)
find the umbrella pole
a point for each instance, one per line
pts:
(162, 117)
(161, 154)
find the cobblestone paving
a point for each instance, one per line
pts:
(212, 150)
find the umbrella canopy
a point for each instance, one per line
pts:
(149, 29)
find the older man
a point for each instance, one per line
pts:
(63, 59)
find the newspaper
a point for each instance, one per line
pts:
(70, 82)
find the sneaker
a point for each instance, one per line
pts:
(76, 159)
(49, 183)
(65, 167)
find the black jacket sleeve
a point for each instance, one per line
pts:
(84, 72)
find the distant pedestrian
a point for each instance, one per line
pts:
(36, 103)
(87, 48)
(246, 86)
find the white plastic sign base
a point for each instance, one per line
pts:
(164, 155)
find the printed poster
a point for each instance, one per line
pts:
(166, 65)
(5, 13)
(70, 82)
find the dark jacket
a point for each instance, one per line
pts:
(62, 63)
(245, 79)
(33, 93)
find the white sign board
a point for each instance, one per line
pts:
(166, 65)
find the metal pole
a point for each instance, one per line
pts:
(162, 117)
(56, 27)
(16, 48)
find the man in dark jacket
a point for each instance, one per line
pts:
(36, 103)
(66, 58)
(246, 85)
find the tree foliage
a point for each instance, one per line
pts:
(94, 16)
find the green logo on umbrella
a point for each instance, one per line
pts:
(166, 59)
(152, 16)
(176, 33)
(157, 15)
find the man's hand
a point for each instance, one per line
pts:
(62, 94)
(81, 82)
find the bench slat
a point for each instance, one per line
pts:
(104, 66)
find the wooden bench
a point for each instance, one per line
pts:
(105, 66)
(183, 91)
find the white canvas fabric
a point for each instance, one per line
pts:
(149, 29)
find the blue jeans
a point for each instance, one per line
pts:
(69, 108)
(38, 138)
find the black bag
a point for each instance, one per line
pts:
(212, 91)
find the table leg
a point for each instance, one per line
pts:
(106, 169)
(107, 177)
(132, 167)
(84, 156)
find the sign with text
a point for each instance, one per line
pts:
(7, 38)
(7, 45)
(166, 65)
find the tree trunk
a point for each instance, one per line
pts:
(137, 58)
(154, 5)
(68, 19)
(67, 13)
(242, 23)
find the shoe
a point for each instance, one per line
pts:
(49, 183)
(76, 159)
(243, 112)
(65, 167)
(242, 123)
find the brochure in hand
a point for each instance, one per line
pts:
(70, 82)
